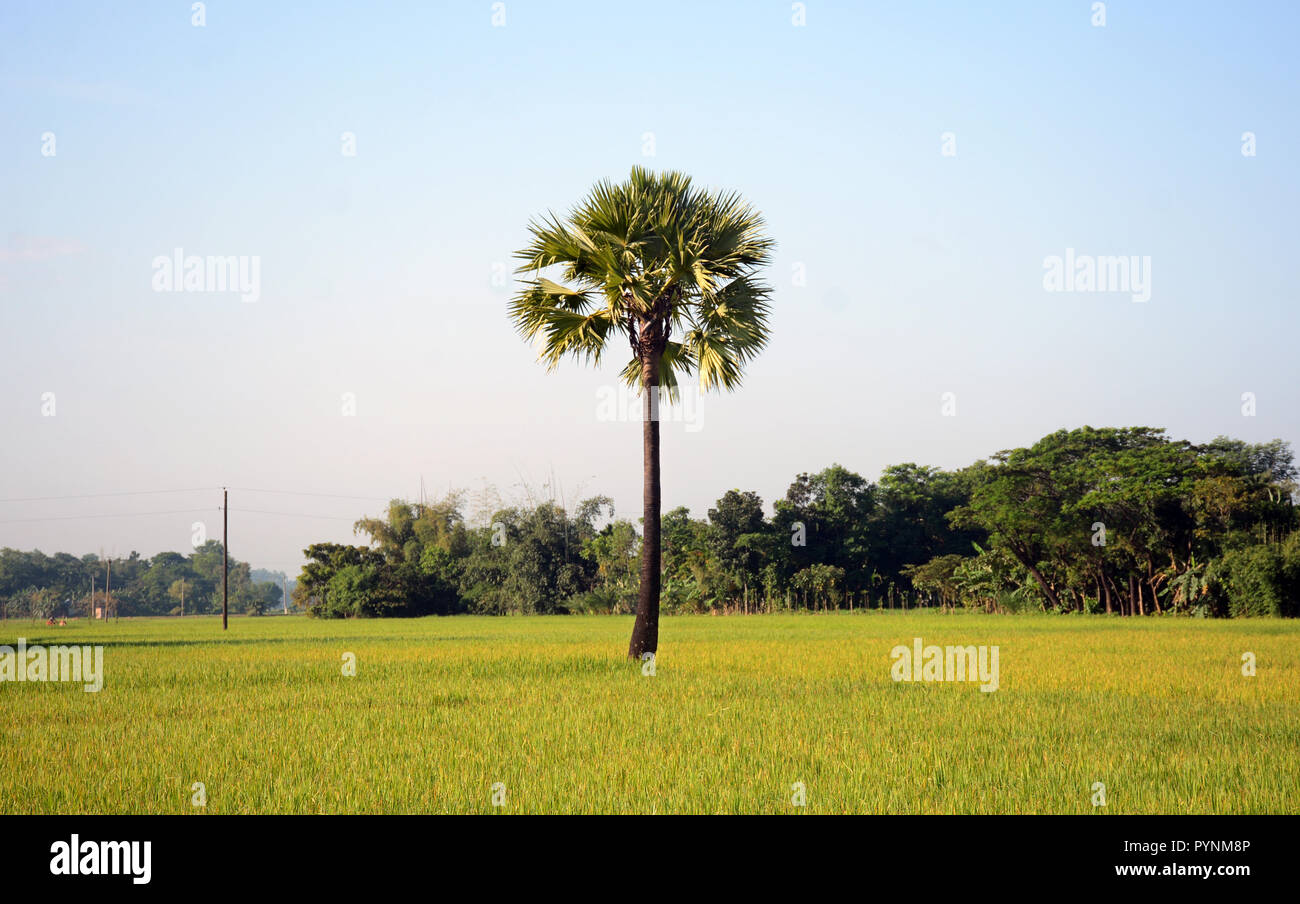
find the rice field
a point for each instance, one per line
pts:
(742, 715)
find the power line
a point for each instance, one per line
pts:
(194, 490)
(322, 495)
(107, 515)
(182, 511)
(293, 514)
(105, 495)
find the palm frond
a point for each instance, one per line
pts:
(654, 253)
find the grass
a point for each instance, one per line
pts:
(740, 708)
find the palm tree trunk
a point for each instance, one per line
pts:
(645, 632)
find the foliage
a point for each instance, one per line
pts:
(650, 258)
(1124, 521)
(1255, 580)
(35, 585)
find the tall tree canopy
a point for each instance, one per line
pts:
(674, 269)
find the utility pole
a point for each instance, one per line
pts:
(108, 588)
(90, 609)
(284, 592)
(225, 559)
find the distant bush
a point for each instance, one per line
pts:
(1256, 580)
(358, 591)
(598, 601)
(1017, 602)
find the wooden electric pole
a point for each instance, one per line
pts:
(225, 559)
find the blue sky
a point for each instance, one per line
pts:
(923, 272)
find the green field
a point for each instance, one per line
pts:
(740, 709)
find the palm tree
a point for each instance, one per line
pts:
(651, 258)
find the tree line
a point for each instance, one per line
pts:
(1119, 520)
(36, 585)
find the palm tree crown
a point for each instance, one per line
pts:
(653, 257)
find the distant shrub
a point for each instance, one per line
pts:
(355, 591)
(598, 601)
(1256, 580)
(1016, 602)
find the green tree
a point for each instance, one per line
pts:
(649, 258)
(1255, 580)
(615, 550)
(825, 518)
(738, 538)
